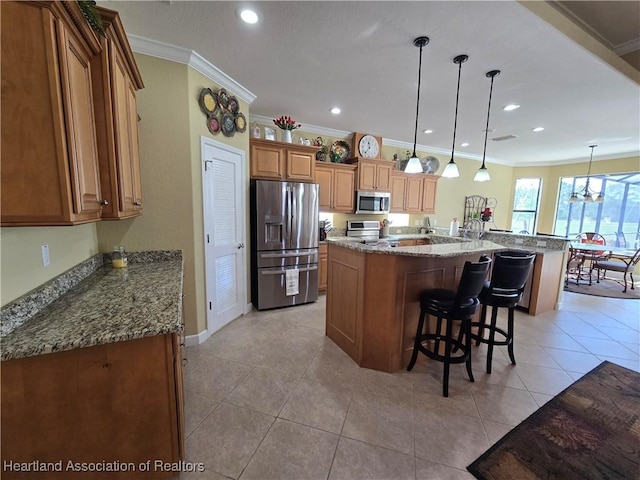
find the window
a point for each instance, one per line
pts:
(617, 219)
(525, 205)
(398, 219)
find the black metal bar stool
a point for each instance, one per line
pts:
(509, 275)
(450, 305)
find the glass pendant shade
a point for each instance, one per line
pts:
(413, 165)
(451, 170)
(599, 198)
(574, 198)
(482, 175)
(588, 198)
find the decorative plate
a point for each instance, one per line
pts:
(228, 124)
(213, 124)
(208, 101)
(223, 99)
(241, 123)
(341, 150)
(234, 105)
(430, 164)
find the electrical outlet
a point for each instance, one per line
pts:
(541, 244)
(519, 240)
(46, 260)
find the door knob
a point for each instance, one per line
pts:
(240, 245)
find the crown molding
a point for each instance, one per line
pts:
(165, 51)
(571, 161)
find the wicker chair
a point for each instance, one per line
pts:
(617, 264)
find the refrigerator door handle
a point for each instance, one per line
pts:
(290, 214)
(282, 255)
(282, 271)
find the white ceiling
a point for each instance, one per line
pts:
(302, 58)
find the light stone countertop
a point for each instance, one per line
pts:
(110, 305)
(454, 249)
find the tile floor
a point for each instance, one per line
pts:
(269, 396)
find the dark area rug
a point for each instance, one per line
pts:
(606, 288)
(589, 431)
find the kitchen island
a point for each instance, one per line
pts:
(373, 294)
(92, 370)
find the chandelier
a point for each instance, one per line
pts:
(586, 194)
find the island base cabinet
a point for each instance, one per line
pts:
(117, 404)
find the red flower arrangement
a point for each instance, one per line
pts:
(286, 123)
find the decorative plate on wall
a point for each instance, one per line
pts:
(234, 105)
(430, 164)
(208, 101)
(213, 124)
(340, 150)
(241, 123)
(228, 124)
(223, 99)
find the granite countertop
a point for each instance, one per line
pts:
(109, 305)
(453, 249)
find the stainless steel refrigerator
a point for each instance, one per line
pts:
(284, 243)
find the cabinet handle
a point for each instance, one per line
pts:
(240, 245)
(137, 203)
(104, 202)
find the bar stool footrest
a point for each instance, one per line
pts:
(478, 338)
(441, 358)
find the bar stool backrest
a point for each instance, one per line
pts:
(473, 278)
(510, 272)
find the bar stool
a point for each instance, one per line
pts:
(509, 275)
(460, 304)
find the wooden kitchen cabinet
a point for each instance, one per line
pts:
(337, 187)
(412, 193)
(322, 267)
(120, 401)
(50, 173)
(116, 79)
(272, 160)
(373, 175)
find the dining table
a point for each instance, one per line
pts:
(593, 251)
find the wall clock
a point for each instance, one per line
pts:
(366, 145)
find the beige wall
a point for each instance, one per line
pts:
(21, 257)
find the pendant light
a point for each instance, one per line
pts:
(451, 170)
(482, 175)
(586, 194)
(414, 165)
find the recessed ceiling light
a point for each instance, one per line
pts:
(465, 144)
(508, 108)
(538, 129)
(248, 16)
(427, 131)
(336, 110)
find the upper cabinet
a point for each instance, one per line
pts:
(337, 184)
(413, 193)
(373, 175)
(49, 146)
(116, 79)
(69, 117)
(272, 160)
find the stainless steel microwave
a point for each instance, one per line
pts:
(372, 202)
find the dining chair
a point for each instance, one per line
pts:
(617, 263)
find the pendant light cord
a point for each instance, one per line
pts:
(486, 130)
(415, 131)
(455, 118)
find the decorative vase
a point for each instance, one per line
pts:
(286, 136)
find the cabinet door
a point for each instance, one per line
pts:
(344, 191)
(81, 137)
(429, 195)
(406, 243)
(135, 149)
(413, 195)
(322, 266)
(324, 177)
(398, 184)
(383, 176)
(367, 176)
(300, 165)
(123, 144)
(268, 162)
